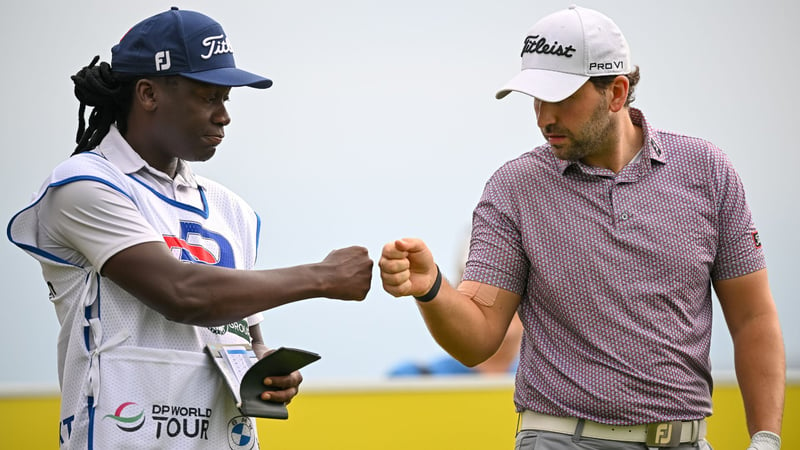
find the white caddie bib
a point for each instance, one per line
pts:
(129, 377)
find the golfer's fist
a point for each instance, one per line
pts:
(407, 268)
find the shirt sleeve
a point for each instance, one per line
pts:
(87, 222)
(496, 255)
(739, 249)
(255, 319)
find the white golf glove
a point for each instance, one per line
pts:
(765, 440)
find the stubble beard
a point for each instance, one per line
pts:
(592, 139)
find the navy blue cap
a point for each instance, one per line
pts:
(185, 43)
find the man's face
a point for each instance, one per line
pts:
(191, 117)
(578, 126)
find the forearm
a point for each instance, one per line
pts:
(211, 296)
(761, 372)
(469, 331)
(460, 326)
(208, 295)
(760, 361)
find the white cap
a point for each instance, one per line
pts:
(564, 49)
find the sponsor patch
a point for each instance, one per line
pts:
(241, 435)
(239, 328)
(129, 417)
(756, 239)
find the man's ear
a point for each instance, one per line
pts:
(146, 94)
(619, 93)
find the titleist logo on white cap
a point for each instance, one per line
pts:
(564, 49)
(539, 44)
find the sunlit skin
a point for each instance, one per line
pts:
(185, 120)
(591, 126)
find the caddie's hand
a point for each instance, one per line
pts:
(349, 273)
(286, 387)
(407, 268)
(765, 440)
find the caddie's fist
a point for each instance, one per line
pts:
(349, 273)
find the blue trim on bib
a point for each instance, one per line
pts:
(37, 250)
(90, 440)
(258, 231)
(200, 212)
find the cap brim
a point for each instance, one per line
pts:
(230, 76)
(546, 85)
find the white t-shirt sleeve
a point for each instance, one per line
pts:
(86, 222)
(255, 319)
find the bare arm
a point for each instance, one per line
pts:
(758, 348)
(207, 295)
(469, 331)
(93, 220)
(508, 352)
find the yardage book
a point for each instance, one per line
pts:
(244, 374)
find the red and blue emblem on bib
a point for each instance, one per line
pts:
(198, 245)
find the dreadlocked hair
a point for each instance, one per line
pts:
(109, 96)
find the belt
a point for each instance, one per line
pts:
(662, 434)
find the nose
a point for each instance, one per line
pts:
(221, 116)
(545, 113)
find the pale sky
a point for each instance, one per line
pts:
(382, 123)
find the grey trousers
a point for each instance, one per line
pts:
(545, 440)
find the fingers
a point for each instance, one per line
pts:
(282, 388)
(403, 248)
(397, 284)
(281, 396)
(394, 267)
(410, 245)
(348, 272)
(405, 265)
(392, 263)
(410, 251)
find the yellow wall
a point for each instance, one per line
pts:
(420, 414)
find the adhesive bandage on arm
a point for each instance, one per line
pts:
(480, 293)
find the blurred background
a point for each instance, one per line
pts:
(382, 124)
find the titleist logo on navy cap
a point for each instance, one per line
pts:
(212, 45)
(216, 45)
(185, 43)
(539, 44)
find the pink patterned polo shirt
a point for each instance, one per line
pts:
(614, 271)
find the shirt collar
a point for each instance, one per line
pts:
(652, 150)
(116, 149)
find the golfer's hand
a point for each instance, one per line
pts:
(407, 267)
(765, 440)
